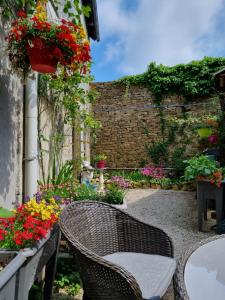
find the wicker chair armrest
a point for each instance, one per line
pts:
(137, 236)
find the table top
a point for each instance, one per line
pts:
(204, 273)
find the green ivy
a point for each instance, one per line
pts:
(72, 9)
(191, 81)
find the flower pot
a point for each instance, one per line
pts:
(100, 164)
(41, 56)
(213, 139)
(204, 132)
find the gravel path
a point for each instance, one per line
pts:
(173, 211)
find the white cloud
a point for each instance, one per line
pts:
(165, 31)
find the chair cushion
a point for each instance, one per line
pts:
(152, 272)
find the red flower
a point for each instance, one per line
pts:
(21, 14)
(57, 52)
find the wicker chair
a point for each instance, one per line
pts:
(120, 258)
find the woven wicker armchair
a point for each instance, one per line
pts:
(97, 234)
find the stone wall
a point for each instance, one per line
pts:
(124, 112)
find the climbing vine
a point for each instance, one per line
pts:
(72, 9)
(191, 81)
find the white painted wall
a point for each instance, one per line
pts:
(11, 133)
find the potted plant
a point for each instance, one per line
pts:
(203, 130)
(203, 168)
(34, 42)
(100, 161)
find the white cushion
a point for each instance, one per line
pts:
(153, 273)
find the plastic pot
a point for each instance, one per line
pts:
(41, 56)
(100, 164)
(204, 132)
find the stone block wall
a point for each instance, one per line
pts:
(123, 113)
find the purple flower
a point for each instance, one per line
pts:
(38, 197)
(57, 198)
(120, 182)
(26, 198)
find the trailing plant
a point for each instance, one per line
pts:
(66, 43)
(191, 81)
(72, 8)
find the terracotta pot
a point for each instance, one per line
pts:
(41, 56)
(100, 164)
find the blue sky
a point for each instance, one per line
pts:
(135, 32)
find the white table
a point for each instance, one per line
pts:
(204, 273)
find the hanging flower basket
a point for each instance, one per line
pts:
(101, 164)
(41, 56)
(42, 46)
(204, 132)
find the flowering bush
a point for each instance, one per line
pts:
(67, 42)
(62, 193)
(153, 172)
(120, 182)
(30, 223)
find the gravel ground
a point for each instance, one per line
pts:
(173, 211)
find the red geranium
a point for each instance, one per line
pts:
(67, 42)
(24, 229)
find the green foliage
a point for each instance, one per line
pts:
(113, 195)
(100, 157)
(58, 177)
(5, 213)
(67, 277)
(85, 192)
(158, 152)
(193, 80)
(68, 92)
(199, 166)
(71, 8)
(177, 160)
(129, 175)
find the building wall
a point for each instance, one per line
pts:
(11, 131)
(123, 112)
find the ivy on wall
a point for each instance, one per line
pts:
(190, 81)
(72, 9)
